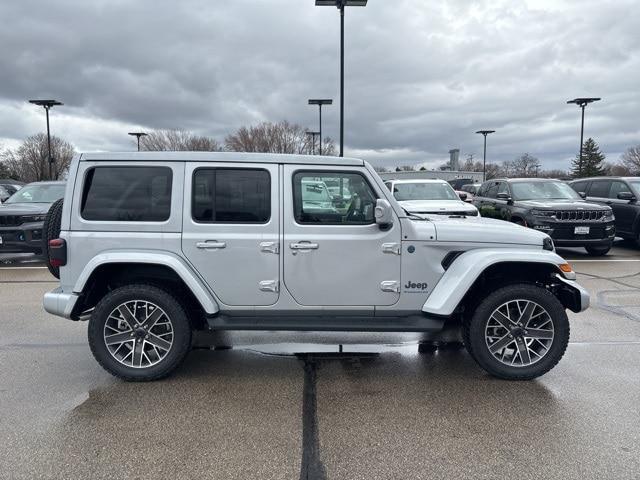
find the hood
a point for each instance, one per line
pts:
(437, 206)
(477, 230)
(23, 208)
(560, 204)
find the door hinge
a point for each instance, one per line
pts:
(390, 286)
(270, 247)
(270, 286)
(391, 248)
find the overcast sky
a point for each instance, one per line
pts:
(421, 76)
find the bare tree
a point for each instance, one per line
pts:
(407, 168)
(380, 169)
(554, 173)
(493, 171)
(631, 159)
(178, 140)
(618, 169)
(30, 161)
(525, 165)
(268, 137)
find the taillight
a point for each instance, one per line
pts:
(57, 252)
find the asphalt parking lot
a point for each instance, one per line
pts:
(377, 410)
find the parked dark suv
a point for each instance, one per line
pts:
(621, 194)
(550, 206)
(22, 216)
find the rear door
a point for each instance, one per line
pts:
(337, 256)
(231, 230)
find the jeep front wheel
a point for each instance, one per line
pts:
(139, 333)
(518, 332)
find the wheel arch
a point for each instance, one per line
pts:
(475, 271)
(111, 270)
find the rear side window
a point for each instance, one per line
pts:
(231, 195)
(127, 194)
(600, 189)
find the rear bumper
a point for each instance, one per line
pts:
(59, 303)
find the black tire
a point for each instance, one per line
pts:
(181, 344)
(51, 230)
(474, 332)
(598, 251)
(427, 347)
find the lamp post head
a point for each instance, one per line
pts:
(46, 103)
(582, 101)
(485, 132)
(138, 134)
(341, 3)
(320, 101)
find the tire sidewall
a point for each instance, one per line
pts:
(516, 292)
(180, 323)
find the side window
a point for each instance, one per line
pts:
(618, 187)
(580, 186)
(600, 189)
(503, 188)
(314, 203)
(231, 195)
(492, 190)
(127, 194)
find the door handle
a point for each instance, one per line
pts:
(303, 247)
(211, 245)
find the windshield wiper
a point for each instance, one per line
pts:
(413, 215)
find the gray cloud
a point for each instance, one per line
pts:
(420, 77)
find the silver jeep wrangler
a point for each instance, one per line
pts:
(152, 246)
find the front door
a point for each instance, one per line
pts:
(623, 210)
(333, 251)
(231, 230)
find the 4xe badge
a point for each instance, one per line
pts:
(418, 287)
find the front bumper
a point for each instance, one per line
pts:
(573, 296)
(59, 303)
(564, 233)
(25, 238)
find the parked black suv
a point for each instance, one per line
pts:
(22, 216)
(621, 194)
(550, 206)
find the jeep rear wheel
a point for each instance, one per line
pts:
(519, 332)
(139, 333)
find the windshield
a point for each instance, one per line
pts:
(543, 191)
(424, 191)
(38, 194)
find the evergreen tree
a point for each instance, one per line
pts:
(592, 161)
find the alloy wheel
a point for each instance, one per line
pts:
(138, 334)
(519, 333)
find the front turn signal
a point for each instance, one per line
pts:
(565, 268)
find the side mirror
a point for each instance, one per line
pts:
(626, 196)
(383, 213)
(503, 196)
(463, 196)
(583, 194)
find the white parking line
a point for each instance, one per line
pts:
(604, 260)
(22, 268)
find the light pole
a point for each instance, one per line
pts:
(320, 102)
(313, 141)
(340, 4)
(582, 102)
(47, 104)
(484, 155)
(138, 135)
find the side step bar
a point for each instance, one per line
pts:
(414, 323)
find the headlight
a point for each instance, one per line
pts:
(608, 215)
(33, 218)
(543, 213)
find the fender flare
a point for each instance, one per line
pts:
(465, 270)
(177, 264)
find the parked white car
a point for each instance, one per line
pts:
(435, 197)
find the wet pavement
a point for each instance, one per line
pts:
(378, 409)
